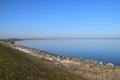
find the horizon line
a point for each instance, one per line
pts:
(65, 38)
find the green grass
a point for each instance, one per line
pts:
(16, 65)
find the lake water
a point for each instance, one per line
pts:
(106, 50)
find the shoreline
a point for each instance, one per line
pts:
(90, 69)
(52, 56)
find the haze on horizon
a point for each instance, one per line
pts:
(59, 18)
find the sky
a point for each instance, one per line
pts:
(59, 18)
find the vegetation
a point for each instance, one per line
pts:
(16, 65)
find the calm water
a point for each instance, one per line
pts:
(106, 50)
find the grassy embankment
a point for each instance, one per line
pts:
(16, 65)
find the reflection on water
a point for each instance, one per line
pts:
(107, 50)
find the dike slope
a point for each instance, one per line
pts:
(17, 65)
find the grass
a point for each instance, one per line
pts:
(16, 65)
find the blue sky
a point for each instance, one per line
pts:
(59, 18)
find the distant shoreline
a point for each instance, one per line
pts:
(21, 39)
(63, 38)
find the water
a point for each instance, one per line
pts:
(106, 50)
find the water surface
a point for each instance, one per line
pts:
(106, 50)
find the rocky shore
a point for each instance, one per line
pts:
(90, 69)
